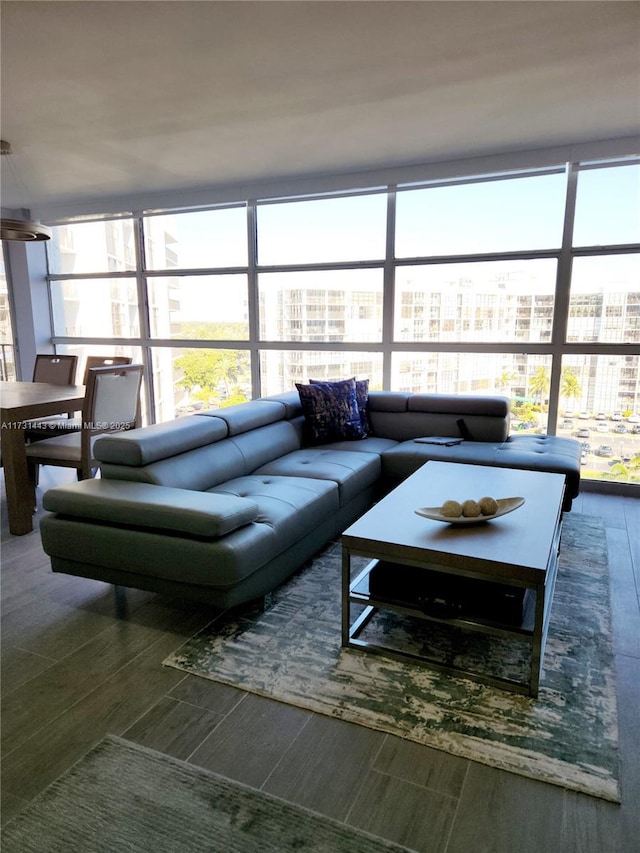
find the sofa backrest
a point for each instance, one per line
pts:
(402, 416)
(143, 446)
(200, 451)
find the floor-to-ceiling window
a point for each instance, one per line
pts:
(525, 284)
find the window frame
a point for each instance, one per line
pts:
(387, 348)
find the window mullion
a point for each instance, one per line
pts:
(144, 318)
(562, 294)
(388, 291)
(254, 308)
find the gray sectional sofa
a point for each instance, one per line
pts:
(223, 506)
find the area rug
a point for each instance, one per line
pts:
(567, 736)
(124, 797)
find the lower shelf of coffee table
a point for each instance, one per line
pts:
(524, 634)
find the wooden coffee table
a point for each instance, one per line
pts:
(519, 549)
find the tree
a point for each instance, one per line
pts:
(634, 465)
(570, 387)
(204, 371)
(507, 378)
(540, 383)
(197, 367)
(620, 470)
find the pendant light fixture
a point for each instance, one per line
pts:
(21, 229)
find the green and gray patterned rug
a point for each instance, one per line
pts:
(567, 736)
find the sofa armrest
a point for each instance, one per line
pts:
(201, 514)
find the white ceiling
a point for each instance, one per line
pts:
(108, 99)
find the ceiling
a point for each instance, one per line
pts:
(104, 100)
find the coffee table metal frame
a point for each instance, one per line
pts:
(502, 551)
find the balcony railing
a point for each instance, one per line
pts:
(7, 363)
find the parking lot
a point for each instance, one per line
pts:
(606, 440)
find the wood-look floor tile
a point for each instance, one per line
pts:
(400, 811)
(624, 598)
(610, 508)
(251, 740)
(173, 727)
(19, 666)
(212, 695)
(111, 707)
(500, 812)
(29, 707)
(50, 629)
(324, 768)
(591, 826)
(421, 765)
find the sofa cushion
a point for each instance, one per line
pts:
(371, 444)
(553, 453)
(331, 410)
(352, 472)
(289, 506)
(201, 514)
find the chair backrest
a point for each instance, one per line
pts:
(103, 361)
(55, 369)
(111, 403)
(112, 399)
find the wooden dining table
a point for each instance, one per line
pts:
(20, 402)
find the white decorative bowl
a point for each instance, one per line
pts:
(505, 505)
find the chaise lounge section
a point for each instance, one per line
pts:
(223, 506)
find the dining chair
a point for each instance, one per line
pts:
(111, 404)
(59, 424)
(55, 369)
(104, 361)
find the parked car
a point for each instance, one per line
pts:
(583, 433)
(619, 428)
(586, 447)
(601, 416)
(604, 450)
(602, 427)
(636, 429)
(584, 416)
(567, 423)
(616, 416)
(634, 419)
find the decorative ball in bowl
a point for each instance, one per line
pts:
(470, 511)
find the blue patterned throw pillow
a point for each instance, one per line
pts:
(331, 410)
(362, 397)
